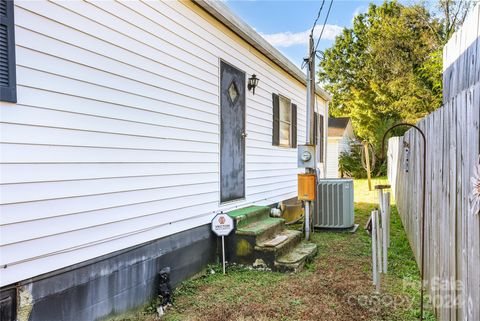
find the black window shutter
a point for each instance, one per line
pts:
(322, 138)
(8, 83)
(315, 129)
(276, 120)
(294, 125)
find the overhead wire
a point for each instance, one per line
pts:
(305, 61)
(318, 17)
(315, 52)
(324, 23)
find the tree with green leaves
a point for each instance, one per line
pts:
(388, 67)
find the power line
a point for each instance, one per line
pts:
(318, 16)
(324, 23)
(305, 61)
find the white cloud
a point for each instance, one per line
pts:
(359, 10)
(288, 39)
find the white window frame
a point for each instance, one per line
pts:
(287, 104)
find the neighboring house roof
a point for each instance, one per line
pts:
(222, 13)
(337, 126)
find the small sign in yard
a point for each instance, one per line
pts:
(222, 225)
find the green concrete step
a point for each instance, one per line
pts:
(293, 238)
(262, 229)
(294, 260)
(247, 215)
(261, 240)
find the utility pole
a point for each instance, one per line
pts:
(310, 91)
(310, 119)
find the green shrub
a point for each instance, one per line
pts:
(350, 164)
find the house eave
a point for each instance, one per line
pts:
(223, 14)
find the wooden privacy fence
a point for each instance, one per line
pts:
(452, 229)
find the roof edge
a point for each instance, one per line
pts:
(223, 14)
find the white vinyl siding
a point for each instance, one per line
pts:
(336, 146)
(114, 140)
(332, 157)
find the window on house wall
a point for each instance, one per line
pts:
(284, 122)
(8, 84)
(321, 132)
(319, 135)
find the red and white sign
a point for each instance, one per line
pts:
(222, 224)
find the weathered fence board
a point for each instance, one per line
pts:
(452, 231)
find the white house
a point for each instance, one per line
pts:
(125, 126)
(340, 135)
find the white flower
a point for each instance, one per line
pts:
(475, 194)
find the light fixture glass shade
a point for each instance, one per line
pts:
(252, 83)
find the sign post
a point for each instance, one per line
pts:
(222, 225)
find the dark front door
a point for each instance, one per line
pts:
(232, 133)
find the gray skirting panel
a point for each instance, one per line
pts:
(116, 282)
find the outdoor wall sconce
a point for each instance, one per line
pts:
(252, 83)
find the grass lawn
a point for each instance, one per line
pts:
(337, 285)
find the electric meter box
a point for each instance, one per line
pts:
(306, 187)
(306, 156)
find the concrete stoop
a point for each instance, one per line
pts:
(263, 241)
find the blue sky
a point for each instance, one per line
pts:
(286, 24)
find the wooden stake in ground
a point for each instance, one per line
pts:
(383, 225)
(374, 249)
(379, 243)
(384, 233)
(382, 207)
(376, 263)
(367, 161)
(388, 214)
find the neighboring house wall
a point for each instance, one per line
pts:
(322, 109)
(337, 146)
(332, 157)
(114, 140)
(349, 134)
(346, 140)
(344, 145)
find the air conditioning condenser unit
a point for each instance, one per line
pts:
(334, 204)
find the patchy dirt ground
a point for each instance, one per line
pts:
(335, 286)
